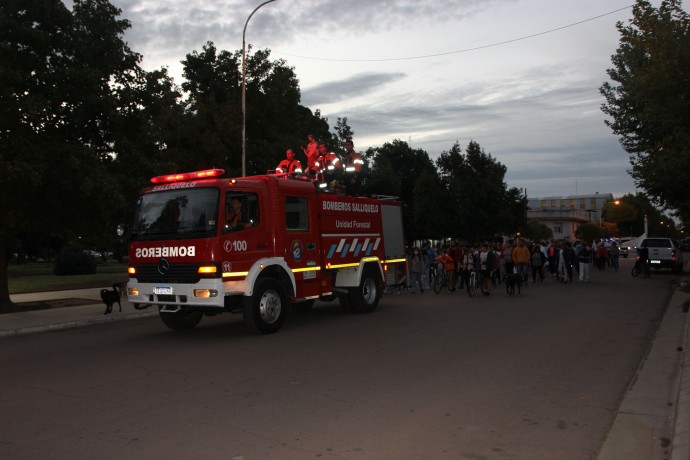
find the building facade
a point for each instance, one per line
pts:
(564, 214)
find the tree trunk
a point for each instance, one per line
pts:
(4, 286)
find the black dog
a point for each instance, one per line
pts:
(111, 297)
(513, 280)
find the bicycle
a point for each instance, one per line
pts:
(475, 279)
(440, 280)
(639, 267)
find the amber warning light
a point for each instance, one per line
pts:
(187, 176)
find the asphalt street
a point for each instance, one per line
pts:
(657, 397)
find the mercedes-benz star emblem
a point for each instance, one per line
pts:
(163, 266)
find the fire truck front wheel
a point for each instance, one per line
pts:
(264, 312)
(181, 320)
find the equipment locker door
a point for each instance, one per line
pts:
(301, 238)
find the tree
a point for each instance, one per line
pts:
(430, 207)
(480, 202)
(343, 132)
(648, 101)
(393, 170)
(62, 75)
(537, 231)
(589, 232)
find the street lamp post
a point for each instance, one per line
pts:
(244, 90)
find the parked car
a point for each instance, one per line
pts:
(685, 243)
(664, 253)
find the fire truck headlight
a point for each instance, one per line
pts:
(205, 293)
(132, 291)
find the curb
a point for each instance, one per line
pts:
(681, 429)
(75, 324)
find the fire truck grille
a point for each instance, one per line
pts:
(177, 273)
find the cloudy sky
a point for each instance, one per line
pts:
(520, 77)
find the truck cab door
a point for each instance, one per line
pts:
(246, 232)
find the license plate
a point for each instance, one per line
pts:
(655, 261)
(163, 290)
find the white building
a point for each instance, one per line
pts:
(564, 214)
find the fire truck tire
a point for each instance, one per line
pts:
(365, 298)
(181, 320)
(264, 312)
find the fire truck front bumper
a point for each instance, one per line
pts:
(204, 294)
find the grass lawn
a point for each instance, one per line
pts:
(38, 276)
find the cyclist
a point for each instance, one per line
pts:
(445, 263)
(521, 259)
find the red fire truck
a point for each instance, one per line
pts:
(202, 244)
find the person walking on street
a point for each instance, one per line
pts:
(643, 255)
(537, 260)
(429, 256)
(416, 264)
(585, 261)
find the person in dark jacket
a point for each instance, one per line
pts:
(585, 259)
(537, 262)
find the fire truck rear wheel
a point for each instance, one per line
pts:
(264, 312)
(181, 320)
(365, 298)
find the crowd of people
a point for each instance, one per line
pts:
(324, 167)
(531, 261)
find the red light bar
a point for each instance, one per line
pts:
(187, 176)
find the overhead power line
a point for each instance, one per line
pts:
(466, 50)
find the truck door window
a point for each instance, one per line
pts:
(296, 214)
(241, 211)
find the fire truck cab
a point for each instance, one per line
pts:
(202, 244)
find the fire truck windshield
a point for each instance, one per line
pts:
(176, 214)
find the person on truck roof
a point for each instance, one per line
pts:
(353, 167)
(289, 165)
(311, 151)
(333, 166)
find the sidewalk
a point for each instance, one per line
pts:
(657, 401)
(30, 322)
(658, 398)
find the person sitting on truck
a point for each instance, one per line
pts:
(290, 165)
(234, 219)
(331, 166)
(316, 168)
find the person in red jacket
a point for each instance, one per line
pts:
(446, 264)
(353, 167)
(290, 165)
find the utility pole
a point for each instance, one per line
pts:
(244, 90)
